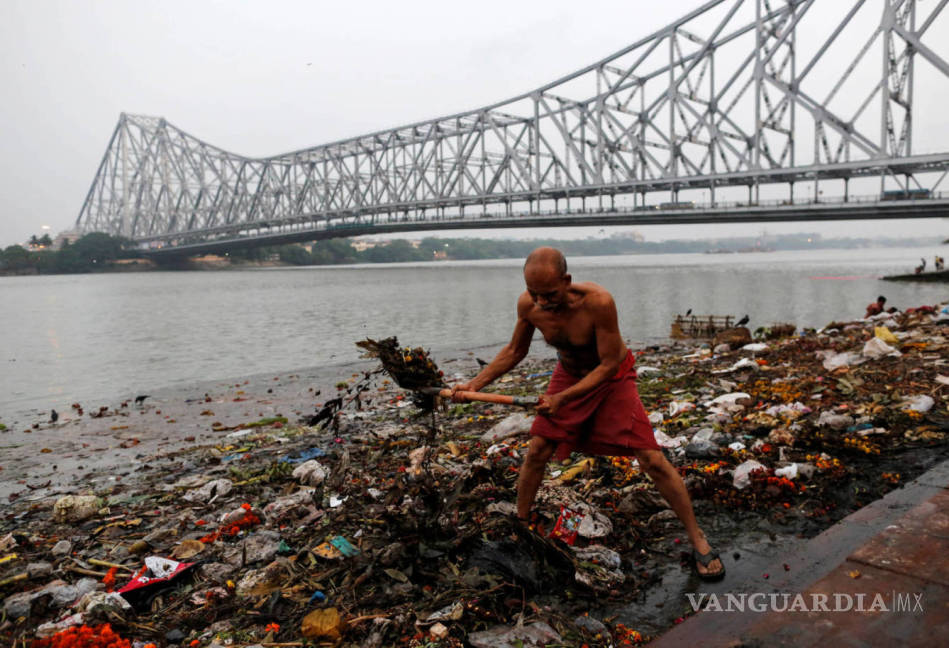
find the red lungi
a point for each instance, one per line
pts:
(609, 420)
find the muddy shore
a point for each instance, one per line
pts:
(80, 450)
(776, 440)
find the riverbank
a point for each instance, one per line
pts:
(776, 441)
(101, 253)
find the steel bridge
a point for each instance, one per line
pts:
(742, 110)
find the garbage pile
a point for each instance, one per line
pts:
(373, 524)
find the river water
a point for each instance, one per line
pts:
(67, 338)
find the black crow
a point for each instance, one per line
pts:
(742, 321)
(140, 399)
(53, 416)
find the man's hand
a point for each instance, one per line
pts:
(548, 404)
(460, 387)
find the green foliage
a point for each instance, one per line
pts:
(295, 255)
(16, 259)
(93, 252)
(333, 252)
(395, 251)
(96, 251)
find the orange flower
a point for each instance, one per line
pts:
(109, 579)
(272, 627)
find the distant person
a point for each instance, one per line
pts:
(921, 266)
(940, 263)
(876, 307)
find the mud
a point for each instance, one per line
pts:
(324, 506)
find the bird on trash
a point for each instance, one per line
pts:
(53, 416)
(140, 399)
(480, 361)
(742, 321)
(688, 312)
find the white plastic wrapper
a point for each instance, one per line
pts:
(921, 403)
(755, 347)
(742, 476)
(789, 472)
(876, 348)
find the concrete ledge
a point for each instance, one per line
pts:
(895, 547)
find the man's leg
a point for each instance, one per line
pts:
(532, 474)
(671, 486)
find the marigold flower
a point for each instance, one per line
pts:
(109, 579)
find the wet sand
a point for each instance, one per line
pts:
(82, 452)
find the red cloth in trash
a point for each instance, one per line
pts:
(609, 420)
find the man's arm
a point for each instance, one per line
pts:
(511, 354)
(610, 348)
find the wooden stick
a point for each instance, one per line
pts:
(360, 619)
(14, 579)
(103, 563)
(501, 399)
(85, 572)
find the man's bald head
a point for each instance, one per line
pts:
(545, 273)
(546, 258)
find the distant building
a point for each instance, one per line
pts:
(630, 235)
(66, 235)
(361, 245)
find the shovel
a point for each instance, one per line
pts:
(413, 369)
(500, 399)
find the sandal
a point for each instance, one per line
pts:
(705, 560)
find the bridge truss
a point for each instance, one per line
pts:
(745, 94)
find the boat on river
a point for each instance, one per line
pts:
(699, 326)
(935, 275)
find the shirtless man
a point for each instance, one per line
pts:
(591, 404)
(876, 307)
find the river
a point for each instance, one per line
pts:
(69, 338)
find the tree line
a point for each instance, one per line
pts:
(97, 252)
(91, 253)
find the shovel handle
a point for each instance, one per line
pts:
(501, 399)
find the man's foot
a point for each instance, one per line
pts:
(536, 522)
(708, 565)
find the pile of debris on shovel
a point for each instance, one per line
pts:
(374, 528)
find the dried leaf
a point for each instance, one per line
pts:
(323, 623)
(397, 575)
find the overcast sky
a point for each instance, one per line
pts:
(261, 78)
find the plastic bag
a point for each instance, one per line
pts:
(568, 525)
(742, 477)
(876, 348)
(884, 334)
